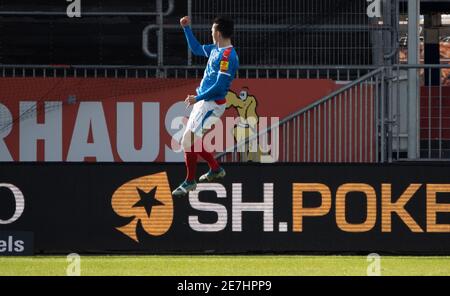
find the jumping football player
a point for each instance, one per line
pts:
(209, 103)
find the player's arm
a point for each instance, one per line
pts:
(221, 84)
(195, 46)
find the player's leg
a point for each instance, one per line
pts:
(213, 175)
(191, 138)
(216, 172)
(190, 157)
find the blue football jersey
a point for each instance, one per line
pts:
(220, 71)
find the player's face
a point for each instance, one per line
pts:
(215, 34)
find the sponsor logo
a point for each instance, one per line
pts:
(224, 66)
(19, 203)
(148, 200)
(248, 125)
(16, 243)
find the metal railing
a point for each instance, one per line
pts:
(345, 126)
(338, 73)
(367, 121)
(433, 115)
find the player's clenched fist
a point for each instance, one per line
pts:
(190, 100)
(185, 21)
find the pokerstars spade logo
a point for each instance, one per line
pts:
(149, 200)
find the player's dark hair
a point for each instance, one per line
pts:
(225, 26)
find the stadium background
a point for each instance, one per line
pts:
(334, 40)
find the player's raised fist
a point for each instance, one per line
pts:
(185, 21)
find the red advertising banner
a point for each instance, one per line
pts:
(126, 120)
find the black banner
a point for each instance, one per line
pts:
(273, 208)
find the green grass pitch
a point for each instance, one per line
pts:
(224, 265)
